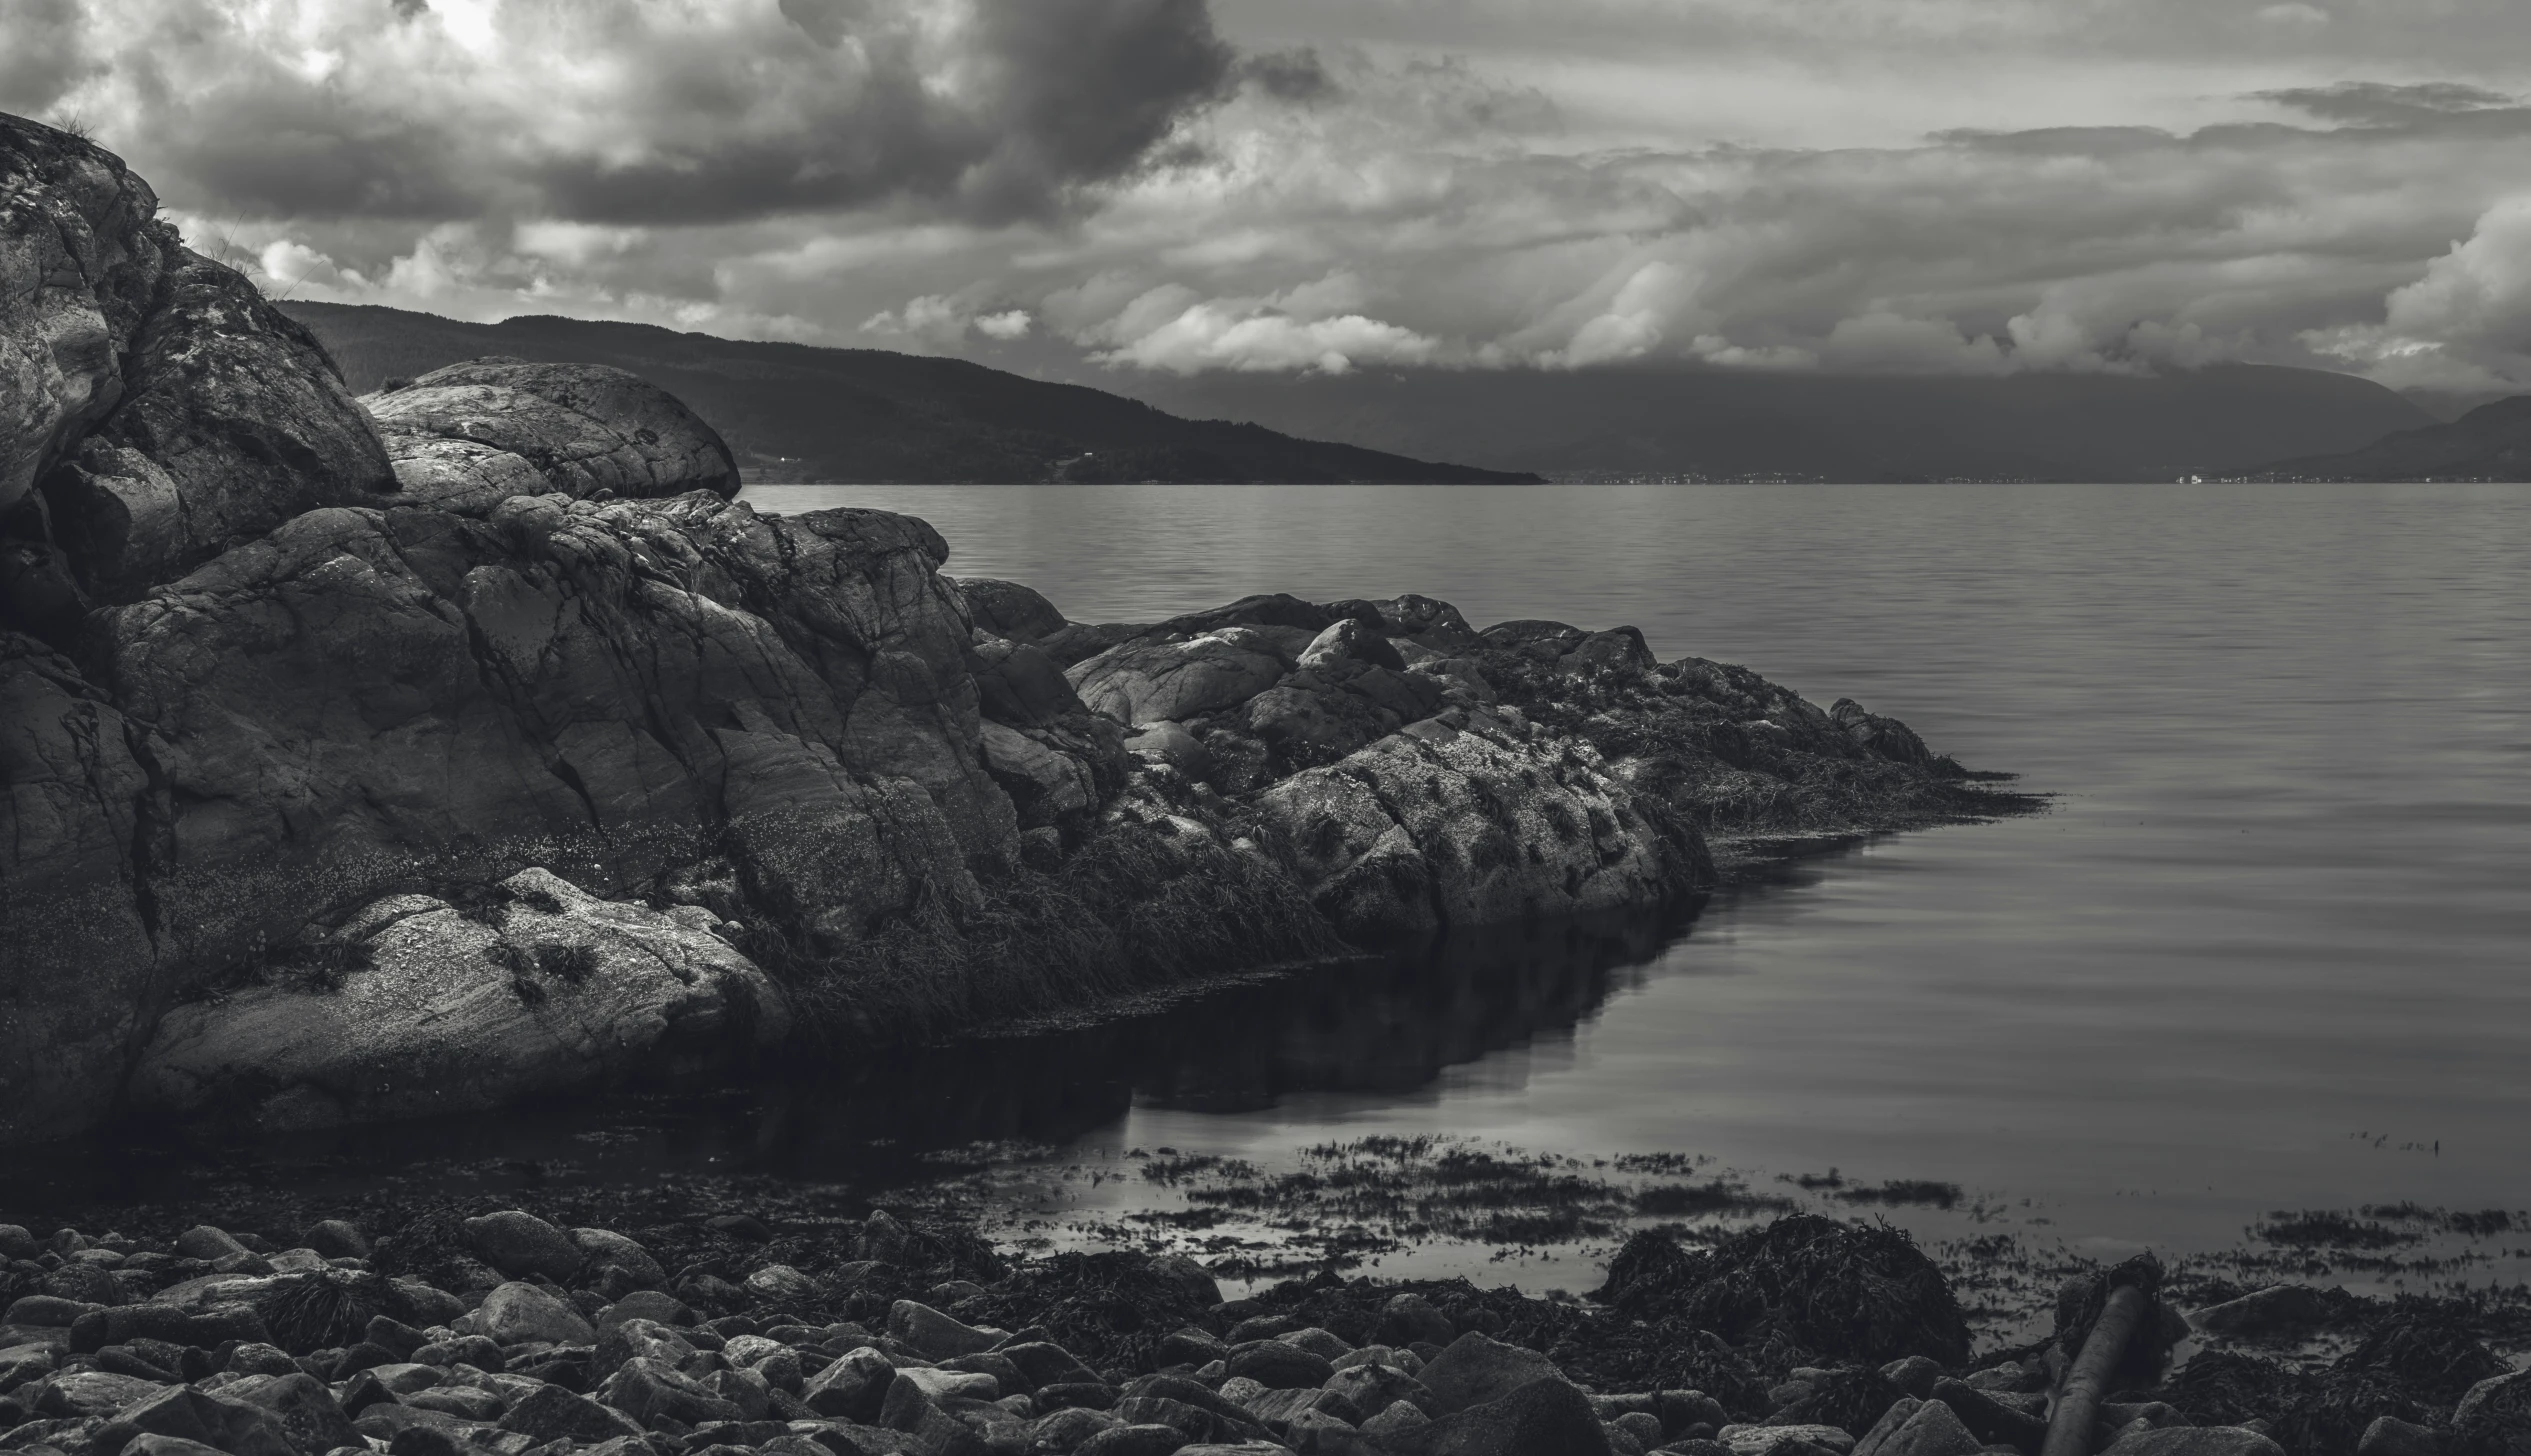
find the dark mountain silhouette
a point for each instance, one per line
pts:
(792, 412)
(2491, 442)
(2229, 420)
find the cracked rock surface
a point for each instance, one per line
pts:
(469, 436)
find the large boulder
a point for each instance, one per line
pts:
(2274, 1312)
(469, 436)
(163, 407)
(1480, 823)
(1543, 1418)
(1010, 610)
(1476, 1369)
(234, 420)
(2195, 1441)
(445, 1012)
(1162, 680)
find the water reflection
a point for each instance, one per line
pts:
(1384, 1027)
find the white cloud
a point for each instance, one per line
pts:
(1252, 336)
(2465, 325)
(1008, 325)
(932, 318)
(1636, 321)
(2292, 15)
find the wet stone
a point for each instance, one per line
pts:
(1279, 1366)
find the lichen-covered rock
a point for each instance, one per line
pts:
(163, 407)
(233, 420)
(1470, 819)
(80, 255)
(438, 1011)
(469, 436)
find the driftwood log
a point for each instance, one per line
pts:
(2078, 1404)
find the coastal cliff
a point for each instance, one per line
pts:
(376, 757)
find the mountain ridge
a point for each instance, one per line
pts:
(2491, 442)
(801, 412)
(798, 412)
(2227, 419)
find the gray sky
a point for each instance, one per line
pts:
(1858, 185)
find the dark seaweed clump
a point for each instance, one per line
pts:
(1847, 1292)
(329, 1308)
(1111, 1310)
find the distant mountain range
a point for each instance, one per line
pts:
(794, 413)
(2226, 420)
(2492, 442)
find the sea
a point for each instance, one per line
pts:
(2267, 951)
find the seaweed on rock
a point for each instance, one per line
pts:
(1840, 1291)
(1110, 1309)
(328, 1308)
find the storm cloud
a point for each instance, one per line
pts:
(663, 113)
(1088, 187)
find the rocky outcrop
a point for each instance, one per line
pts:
(414, 1007)
(286, 712)
(608, 690)
(469, 436)
(164, 408)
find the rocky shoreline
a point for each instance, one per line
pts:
(811, 1330)
(467, 742)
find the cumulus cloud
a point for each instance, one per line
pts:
(2465, 325)
(1311, 328)
(1637, 319)
(942, 322)
(1009, 325)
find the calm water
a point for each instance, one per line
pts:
(2272, 950)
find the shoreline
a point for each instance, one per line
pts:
(1817, 1361)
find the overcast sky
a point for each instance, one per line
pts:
(1856, 185)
